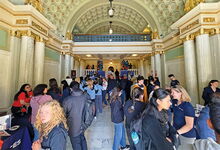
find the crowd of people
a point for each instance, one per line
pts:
(151, 117)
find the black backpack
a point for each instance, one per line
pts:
(88, 113)
(136, 134)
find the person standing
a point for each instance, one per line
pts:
(117, 117)
(173, 80)
(104, 91)
(140, 83)
(183, 116)
(74, 107)
(132, 110)
(98, 96)
(209, 90)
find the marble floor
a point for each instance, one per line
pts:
(100, 134)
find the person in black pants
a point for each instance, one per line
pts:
(209, 90)
(132, 109)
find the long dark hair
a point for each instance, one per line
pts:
(152, 106)
(39, 89)
(22, 89)
(53, 85)
(115, 94)
(65, 84)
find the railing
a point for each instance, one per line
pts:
(132, 72)
(111, 38)
(90, 71)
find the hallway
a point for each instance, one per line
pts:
(100, 134)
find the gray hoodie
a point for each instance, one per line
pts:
(205, 144)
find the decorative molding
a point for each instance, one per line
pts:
(22, 21)
(37, 4)
(188, 27)
(209, 19)
(39, 27)
(190, 4)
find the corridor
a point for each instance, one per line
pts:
(99, 135)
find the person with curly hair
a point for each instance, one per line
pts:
(51, 124)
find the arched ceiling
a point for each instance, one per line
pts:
(86, 15)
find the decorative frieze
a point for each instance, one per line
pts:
(209, 19)
(39, 27)
(188, 27)
(22, 21)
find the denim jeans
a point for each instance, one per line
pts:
(119, 137)
(104, 97)
(79, 142)
(98, 103)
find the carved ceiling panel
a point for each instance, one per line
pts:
(163, 12)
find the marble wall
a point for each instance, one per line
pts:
(174, 64)
(52, 65)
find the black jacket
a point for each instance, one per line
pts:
(56, 139)
(73, 107)
(207, 94)
(153, 131)
(117, 113)
(111, 84)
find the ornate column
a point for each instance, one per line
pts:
(39, 60)
(15, 47)
(26, 58)
(215, 51)
(158, 64)
(163, 71)
(67, 64)
(146, 68)
(204, 65)
(72, 63)
(190, 69)
(82, 68)
(152, 65)
(141, 67)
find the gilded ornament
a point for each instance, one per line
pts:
(39, 27)
(190, 4)
(22, 21)
(189, 26)
(69, 36)
(36, 4)
(155, 35)
(210, 19)
(12, 33)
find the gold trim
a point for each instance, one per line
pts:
(188, 27)
(209, 19)
(22, 21)
(39, 27)
(110, 45)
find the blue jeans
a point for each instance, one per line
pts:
(104, 97)
(119, 137)
(79, 142)
(98, 103)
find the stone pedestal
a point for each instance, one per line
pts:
(191, 71)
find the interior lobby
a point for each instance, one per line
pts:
(43, 39)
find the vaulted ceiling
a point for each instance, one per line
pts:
(131, 16)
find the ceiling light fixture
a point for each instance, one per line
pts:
(134, 55)
(111, 10)
(88, 55)
(110, 29)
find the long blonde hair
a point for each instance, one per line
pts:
(185, 96)
(57, 118)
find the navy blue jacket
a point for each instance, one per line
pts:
(207, 94)
(117, 113)
(56, 139)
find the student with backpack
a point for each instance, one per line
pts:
(157, 134)
(132, 110)
(117, 117)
